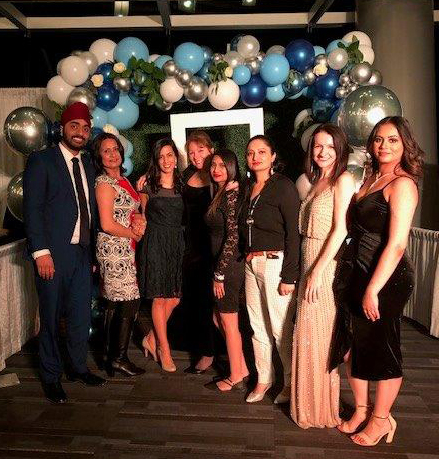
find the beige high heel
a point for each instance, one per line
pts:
(341, 427)
(363, 439)
(170, 367)
(254, 397)
(148, 348)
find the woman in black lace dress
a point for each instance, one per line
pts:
(163, 247)
(378, 277)
(228, 257)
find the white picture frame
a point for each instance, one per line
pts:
(254, 117)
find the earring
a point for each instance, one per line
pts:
(272, 170)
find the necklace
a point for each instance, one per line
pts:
(377, 179)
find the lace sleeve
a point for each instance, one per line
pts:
(231, 228)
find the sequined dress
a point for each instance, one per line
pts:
(315, 390)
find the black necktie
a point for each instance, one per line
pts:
(84, 227)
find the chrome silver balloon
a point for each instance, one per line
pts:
(183, 77)
(196, 91)
(217, 57)
(27, 129)
(254, 64)
(344, 79)
(14, 198)
(91, 60)
(164, 106)
(309, 77)
(261, 56)
(363, 108)
(352, 87)
(233, 58)
(376, 78)
(170, 68)
(321, 59)
(341, 92)
(84, 95)
(122, 84)
(361, 73)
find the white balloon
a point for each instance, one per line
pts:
(223, 96)
(301, 116)
(276, 49)
(248, 46)
(103, 49)
(153, 57)
(58, 90)
(303, 186)
(233, 58)
(361, 36)
(368, 53)
(307, 135)
(91, 60)
(74, 70)
(170, 90)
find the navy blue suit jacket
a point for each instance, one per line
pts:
(49, 203)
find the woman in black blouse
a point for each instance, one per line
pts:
(228, 258)
(272, 264)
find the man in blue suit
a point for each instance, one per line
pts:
(59, 217)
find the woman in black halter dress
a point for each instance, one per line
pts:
(377, 277)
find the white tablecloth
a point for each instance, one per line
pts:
(423, 306)
(18, 300)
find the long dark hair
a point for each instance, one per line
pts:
(341, 148)
(412, 159)
(96, 149)
(232, 167)
(277, 165)
(154, 172)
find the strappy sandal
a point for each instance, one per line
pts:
(363, 439)
(213, 385)
(342, 427)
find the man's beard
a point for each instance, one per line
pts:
(72, 146)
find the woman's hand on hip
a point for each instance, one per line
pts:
(286, 289)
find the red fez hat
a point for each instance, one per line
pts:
(76, 111)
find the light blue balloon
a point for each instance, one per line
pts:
(100, 118)
(241, 74)
(125, 114)
(319, 50)
(296, 96)
(128, 166)
(161, 60)
(130, 46)
(275, 93)
(129, 149)
(189, 56)
(274, 69)
(334, 45)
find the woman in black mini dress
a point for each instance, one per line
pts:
(228, 258)
(377, 277)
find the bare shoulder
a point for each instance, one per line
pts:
(403, 184)
(345, 183)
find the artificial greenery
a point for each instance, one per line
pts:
(146, 77)
(354, 54)
(57, 109)
(217, 73)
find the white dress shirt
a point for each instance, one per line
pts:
(68, 159)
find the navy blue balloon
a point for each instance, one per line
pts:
(254, 92)
(105, 70)
(310, 92)
(108, 97)
(95, 131)
(234, 42)
(135, 95)
(300, 54)
(322, 109)
(327, 84)
(338, 102)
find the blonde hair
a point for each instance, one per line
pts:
(199, 137)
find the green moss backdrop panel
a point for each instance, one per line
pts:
(279, 117)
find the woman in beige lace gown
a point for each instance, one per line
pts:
(322, 223)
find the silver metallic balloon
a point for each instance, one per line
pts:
(309, 77)
(361, 73)
(254, 64)
(90, 86)
(84, 95)
(321, 59)
(91, 60)
(196, 91)
(352, 87)
(363, 108)
(344, 79)
(376, 78)
(276, 49)
(341, 92)
(14, 198)
(261, 56)
(217, 57)
(164, 106)
(183, 77)
(27, 129)
(170, 68)
(233, 58)
(122, 84)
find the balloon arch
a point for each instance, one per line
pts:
(115, 79)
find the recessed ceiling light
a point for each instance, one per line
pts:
(248, 2)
